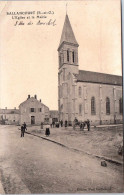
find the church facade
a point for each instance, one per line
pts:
(85, 94)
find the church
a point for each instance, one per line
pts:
(85, 94)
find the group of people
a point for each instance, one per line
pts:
(82, 124)
(59, 124)
(47, 131)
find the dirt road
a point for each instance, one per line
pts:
(33, 165)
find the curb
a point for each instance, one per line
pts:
(76, 150)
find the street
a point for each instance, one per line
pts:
(34, 165)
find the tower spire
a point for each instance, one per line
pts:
(67, 33)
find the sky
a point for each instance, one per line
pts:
(28, 53)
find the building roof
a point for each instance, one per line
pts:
(95, 77)
(9, 111)
(34, 99)
(67, 33)
(29, 99)
(54, 111)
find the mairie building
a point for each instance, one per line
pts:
(84, 94)
(33, 111)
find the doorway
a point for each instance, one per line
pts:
(32, 120)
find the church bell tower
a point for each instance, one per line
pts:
(68, 47)
(68, 64)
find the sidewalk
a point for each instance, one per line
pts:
(102, 144)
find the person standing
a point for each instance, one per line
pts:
(66, 123)
(25, 126)
(81, 126)
(22, 131)
(41, 125)
(47, 132)
(61, 122)
(50, 122)
(88, 124)
(53, 124)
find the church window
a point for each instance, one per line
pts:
(68, 55)
(79, 91)
(73, 57)
(120, 106)
(107, 105)
(60, 60)
(93, 106)
(80, 109)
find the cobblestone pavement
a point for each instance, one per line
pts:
(33, 165)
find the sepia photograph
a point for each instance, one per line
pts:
(61, 103)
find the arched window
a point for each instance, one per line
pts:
(68, 55)
(120, 106)
(79, 91)
(80, 109)
(107, 105)
(60, 60)
(73, 57)
(93, 106)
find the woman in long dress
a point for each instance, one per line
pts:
(47, 132)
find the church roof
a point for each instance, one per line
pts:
(96, 77)
(67, 33)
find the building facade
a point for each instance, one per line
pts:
(54, 115)
(85, 94)
(9, 116)
(33, 112)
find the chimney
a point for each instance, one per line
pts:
(35, 96)
(40, 100)
(28, 96)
